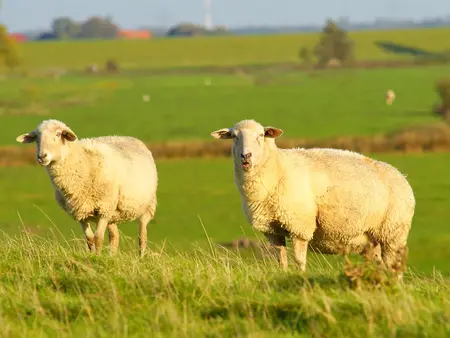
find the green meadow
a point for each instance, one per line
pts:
(198, 194)
(182, 107)
(186, 286)
(217, 51)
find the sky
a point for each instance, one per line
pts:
(21, 15)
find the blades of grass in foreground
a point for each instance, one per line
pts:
(47, 287)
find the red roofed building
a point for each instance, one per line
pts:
(18, 37)
(134, 34)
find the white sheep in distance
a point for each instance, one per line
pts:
(105, 180)
(331, 200)
(389, 97)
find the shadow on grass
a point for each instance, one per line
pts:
(294, 316)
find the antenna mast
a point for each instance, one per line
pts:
(208, 16)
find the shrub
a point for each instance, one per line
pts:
(112, 66)
(443, 90)
(305, 56)
(8, 50)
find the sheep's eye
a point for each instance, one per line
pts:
(58, 134)
(261, 135)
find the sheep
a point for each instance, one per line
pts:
(330, 200)
(389, 97)
(105, 180)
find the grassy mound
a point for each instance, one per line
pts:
(47, 288)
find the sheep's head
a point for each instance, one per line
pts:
(250, 142)
(51, 137)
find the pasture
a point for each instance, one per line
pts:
(195, 192)
(186, 286)
(182, 107)
(216, 51)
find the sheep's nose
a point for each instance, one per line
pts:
(246, 157)
(42, 156)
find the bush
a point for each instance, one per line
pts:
(9, 55)
(112, 66)
(305, 56)
(443, 90)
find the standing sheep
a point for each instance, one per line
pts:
(106, 180)
(328, 199)
(390, 97)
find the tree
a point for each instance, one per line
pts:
(186, 29)
(65, 28)
(443, 90)
(96, 27)
(189, 29)
(334, 44)
(9, 54)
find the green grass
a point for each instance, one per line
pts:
(192, 192)
(49, 285)
(217, 51)
(48, 290)
(317, 105)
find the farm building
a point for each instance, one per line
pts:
(18, 37)
(134, 34)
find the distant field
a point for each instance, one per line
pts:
(216, 51)
(195, 191)
(316, 105)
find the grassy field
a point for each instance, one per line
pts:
(49, 285)
(192, 192)
(310, 105)
(217, 51)
(47, 290)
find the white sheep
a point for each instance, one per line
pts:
(389, 97)
(331, 200)
(105, 180)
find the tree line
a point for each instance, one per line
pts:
(94, 27)
(64, 28)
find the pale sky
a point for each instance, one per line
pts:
(37, 14)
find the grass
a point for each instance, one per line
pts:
(217, 51)
(192, 192)
(49, 285)
(48, 289)
(310, 105)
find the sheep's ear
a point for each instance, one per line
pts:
(225, 133)
(69, 135)
(26, 138)
(272, 132)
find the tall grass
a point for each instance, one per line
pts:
(51, 289)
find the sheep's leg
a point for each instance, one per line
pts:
(88, 234)
(143, 222)
(279, 243)
(372, 251)
(100, 234)
(300, 249)
(113, 237)
(394, 258)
